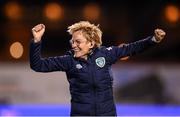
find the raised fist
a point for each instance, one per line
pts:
(38, 32)
(159, 35)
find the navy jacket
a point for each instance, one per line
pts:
(90, 80)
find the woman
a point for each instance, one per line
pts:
(88, 66)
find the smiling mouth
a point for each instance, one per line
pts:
(76, 50)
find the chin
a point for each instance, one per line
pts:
(77, 55)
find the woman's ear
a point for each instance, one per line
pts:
(92, 44)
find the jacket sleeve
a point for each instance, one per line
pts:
(59, 63)
(116, 52)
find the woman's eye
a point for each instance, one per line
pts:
(78, 42)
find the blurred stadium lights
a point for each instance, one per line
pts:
(16, 50)
(172, 13)
(13, 10)
(91, 11)
(53, 11)
(52, 14)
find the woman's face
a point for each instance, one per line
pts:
(80, 45)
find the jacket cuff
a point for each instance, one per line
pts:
(154, 40)
(32, 41)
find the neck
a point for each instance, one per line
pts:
(84, 57)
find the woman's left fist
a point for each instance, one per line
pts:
(159, 35)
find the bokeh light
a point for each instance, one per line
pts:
(13, 10)
(91, 11)
(53, 11)
(16, 50)
(172, 13)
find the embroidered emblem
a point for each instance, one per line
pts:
(78, 66)
(100, 62)
(109, 48)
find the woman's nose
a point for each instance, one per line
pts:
(73, 45)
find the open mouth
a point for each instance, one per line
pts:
(76, 50)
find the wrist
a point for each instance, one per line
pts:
(154, 38)
(36, 40)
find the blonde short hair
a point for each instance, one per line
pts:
(90, 31)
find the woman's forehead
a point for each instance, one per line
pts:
(78, 35)
(79, 32)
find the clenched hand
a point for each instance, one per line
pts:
(159, 35)
(38, 32)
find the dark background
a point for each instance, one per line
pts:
(121, 21)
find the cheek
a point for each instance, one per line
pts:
(84, 48)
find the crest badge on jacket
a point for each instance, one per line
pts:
(100, 61)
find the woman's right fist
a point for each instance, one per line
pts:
(38, 32)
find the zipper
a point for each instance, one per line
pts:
(95, 106)
(93, 88)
